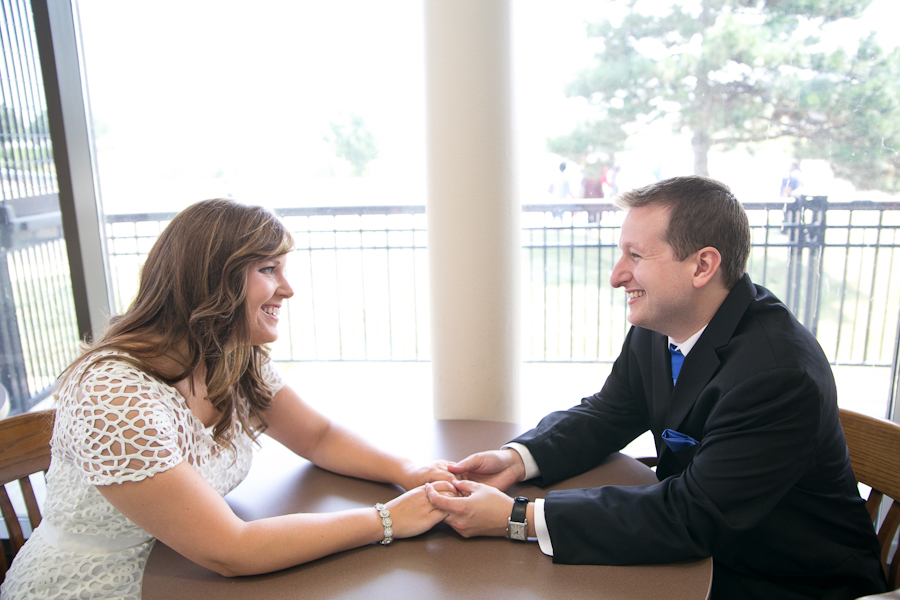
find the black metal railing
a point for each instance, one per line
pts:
(360, 279)
(38, 329)
(359, 275)
(831, 263)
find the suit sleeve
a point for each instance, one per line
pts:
(759, 440)
(570, 442)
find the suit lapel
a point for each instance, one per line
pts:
(661, 385)
(702, 362)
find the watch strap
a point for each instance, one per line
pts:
(520, 506)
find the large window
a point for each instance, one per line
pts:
(624, 94)
(38, 332)
(294, 104)
(308, 105)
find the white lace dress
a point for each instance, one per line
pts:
(114, 424)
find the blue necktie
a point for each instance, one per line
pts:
(677, 359)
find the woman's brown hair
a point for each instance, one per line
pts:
(190, 306)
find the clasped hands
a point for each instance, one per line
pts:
(474, 500)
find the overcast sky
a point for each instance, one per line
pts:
(195, 98)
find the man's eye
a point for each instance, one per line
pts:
(635, 256)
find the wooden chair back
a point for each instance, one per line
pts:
(24, 449)
(874, 446)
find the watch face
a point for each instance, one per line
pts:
(518, 531)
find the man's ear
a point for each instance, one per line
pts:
(707, 262)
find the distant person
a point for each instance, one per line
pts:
(593, 186)
(155, 422)
(793, 182)
(753, 467)
(561, 189)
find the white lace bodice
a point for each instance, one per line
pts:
(114, 424)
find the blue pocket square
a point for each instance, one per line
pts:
(677, 441)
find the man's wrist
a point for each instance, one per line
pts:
(519, 463)
(517, 525)
(532, 523)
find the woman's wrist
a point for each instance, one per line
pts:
(372, 524)
(386, 523)
(406, 476)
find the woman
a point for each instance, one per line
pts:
(155, 424)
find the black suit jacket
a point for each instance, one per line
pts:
(768, 491)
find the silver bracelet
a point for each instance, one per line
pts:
(386, 522)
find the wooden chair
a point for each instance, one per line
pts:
(24, 449)
(874, 446)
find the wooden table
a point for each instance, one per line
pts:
(438, 564)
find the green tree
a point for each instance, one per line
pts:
(353, 142)
(732, 72)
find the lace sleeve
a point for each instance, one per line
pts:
(272, 377)
(123, 426)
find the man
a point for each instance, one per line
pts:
(752, 462)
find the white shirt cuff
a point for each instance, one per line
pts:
(531, 468)
(540, 527)
(540, 522)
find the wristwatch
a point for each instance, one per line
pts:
(517, 526)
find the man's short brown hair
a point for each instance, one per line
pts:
(702, 212)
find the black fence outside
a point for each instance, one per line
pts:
(361, 282)
(359, 275)
(38, 329)
(831, 263)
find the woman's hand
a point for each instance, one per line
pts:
(412, 513)
(415, 475)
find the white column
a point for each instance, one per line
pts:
(473, 211)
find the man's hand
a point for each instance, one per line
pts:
(480, 510)
(413, 514)
(497, 468)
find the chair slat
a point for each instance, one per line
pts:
(31, 503)
(894, 575)
(888, 530)
(16, 537)
(874, 503)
